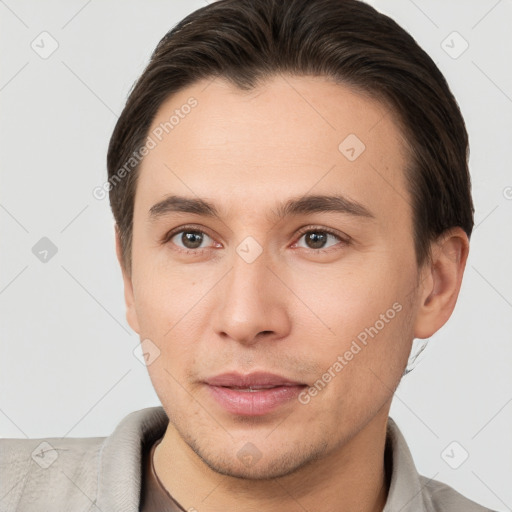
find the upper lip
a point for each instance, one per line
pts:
(256, 379)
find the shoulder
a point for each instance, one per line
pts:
(48, 473)
(443, 498)
(412, 492)
(84, 474)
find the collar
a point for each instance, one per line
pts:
(121, 460)
(406, 490)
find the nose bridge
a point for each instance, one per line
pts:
(249, 286)
(250, 301)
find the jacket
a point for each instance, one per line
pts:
(105, 473)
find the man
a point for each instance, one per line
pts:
(292, 202)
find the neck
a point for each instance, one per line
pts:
(353, 477)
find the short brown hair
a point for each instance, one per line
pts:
(247, 41)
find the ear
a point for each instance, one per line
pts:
(131, 313)
(441, 281)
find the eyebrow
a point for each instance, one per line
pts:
(293, 207)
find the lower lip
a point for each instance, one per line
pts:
(254, 403)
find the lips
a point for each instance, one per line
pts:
(255, 394)
(257, 380)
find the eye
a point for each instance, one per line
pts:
(189, 239)
(317, 239)
(192, 240)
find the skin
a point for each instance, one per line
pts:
(293, 310)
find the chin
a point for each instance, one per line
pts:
(260, 471)
(249, 463)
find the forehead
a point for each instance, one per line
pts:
(287, 137)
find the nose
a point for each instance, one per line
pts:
(252, 303)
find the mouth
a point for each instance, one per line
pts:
(250, 389)
(256, 380)
(254, 394)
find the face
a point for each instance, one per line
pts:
(282, 306)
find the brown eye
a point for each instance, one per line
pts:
(189, 239)
(317, 239)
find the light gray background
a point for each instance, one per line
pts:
(67, 365)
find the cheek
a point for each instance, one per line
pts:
(361, 370)
(350, 296)
(166, 316)
(369, 319)
(164, 297)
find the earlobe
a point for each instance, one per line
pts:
(131, 313)
(441, 282)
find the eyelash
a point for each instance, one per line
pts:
(309, 229)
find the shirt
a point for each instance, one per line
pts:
(154, 496)
(111, 473)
